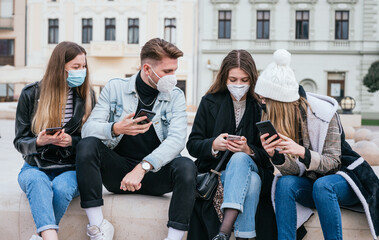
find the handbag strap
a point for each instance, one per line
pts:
(226, 153)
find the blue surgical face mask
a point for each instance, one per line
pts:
(76, 77)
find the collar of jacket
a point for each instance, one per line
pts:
(132, 89)
(323, 107)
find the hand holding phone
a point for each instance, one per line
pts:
(267, 127)
(144, 112)
(52, 131)
(233, 138)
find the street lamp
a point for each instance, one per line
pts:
(347, 104)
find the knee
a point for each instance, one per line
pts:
(185, 170)
(286, 185)
(239, 160)
(255, 183)
(322, 188)
(85, 148)
(30, 183)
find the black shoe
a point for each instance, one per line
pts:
(221, 236)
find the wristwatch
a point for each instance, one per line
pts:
(145, 166)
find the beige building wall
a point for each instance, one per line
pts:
(12, 27)
(111, 59)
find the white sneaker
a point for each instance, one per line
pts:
(35, 237)
(104, 232)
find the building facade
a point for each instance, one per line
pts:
(332, 42)
(112, 32)
(12, 44)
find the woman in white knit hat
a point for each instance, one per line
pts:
(307, 153)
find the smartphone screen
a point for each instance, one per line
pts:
(52, 131)
(143, 112)
(233, 138)
(267, 127)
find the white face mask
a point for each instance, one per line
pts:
(165, 83)
(238, 91)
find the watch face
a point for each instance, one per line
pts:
(146, 166)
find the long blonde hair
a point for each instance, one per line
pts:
(53, 94)
(287, 117)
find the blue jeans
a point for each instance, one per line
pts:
(49, 194)
(326, 194)
(242, 186)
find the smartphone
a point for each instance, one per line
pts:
(52, 131)
(267, 127)
(233, 138)
(143, 112)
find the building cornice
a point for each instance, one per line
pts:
(342, 1)
(225, 1)
(263, 1)
(302, 1)
(315, 52)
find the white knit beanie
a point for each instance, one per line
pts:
(278, 80)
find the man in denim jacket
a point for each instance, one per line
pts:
(126, 156)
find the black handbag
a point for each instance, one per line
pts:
(53, 157)
(206, 183)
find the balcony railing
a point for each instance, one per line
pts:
(6, 23)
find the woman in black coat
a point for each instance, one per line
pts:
(228, 108)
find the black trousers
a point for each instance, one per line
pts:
(97, 165)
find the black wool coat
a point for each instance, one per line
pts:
(215, 115)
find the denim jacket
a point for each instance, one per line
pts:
(118, 99)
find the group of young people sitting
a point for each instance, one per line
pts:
(130, 140)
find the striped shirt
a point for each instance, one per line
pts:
(68, 111)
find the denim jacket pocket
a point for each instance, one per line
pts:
(166, 119)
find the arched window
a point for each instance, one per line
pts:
(309, 85)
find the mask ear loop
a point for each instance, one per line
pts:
(151, 80)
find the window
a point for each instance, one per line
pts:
(110, 29)
(336, 85)
(86, 30)
(6, 92)
(342, 25)
(53, 30)
(6, 8)
(133, 30)
(7, 52)
(224, 24)
(170, 30)
(302, 24)
(263, 24)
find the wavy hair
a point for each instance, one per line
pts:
(54, 87)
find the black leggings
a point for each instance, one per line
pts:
(96, 164)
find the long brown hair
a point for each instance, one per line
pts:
(287, 117)
(54, 88)
(235, 59)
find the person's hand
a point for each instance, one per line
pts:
(132, 180)
(129, 126)
(66, 140)
(45, 139)
(268, 144)
(289, 146)
(239, 146)
(220, 143)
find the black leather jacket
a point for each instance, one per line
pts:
(25, 140)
